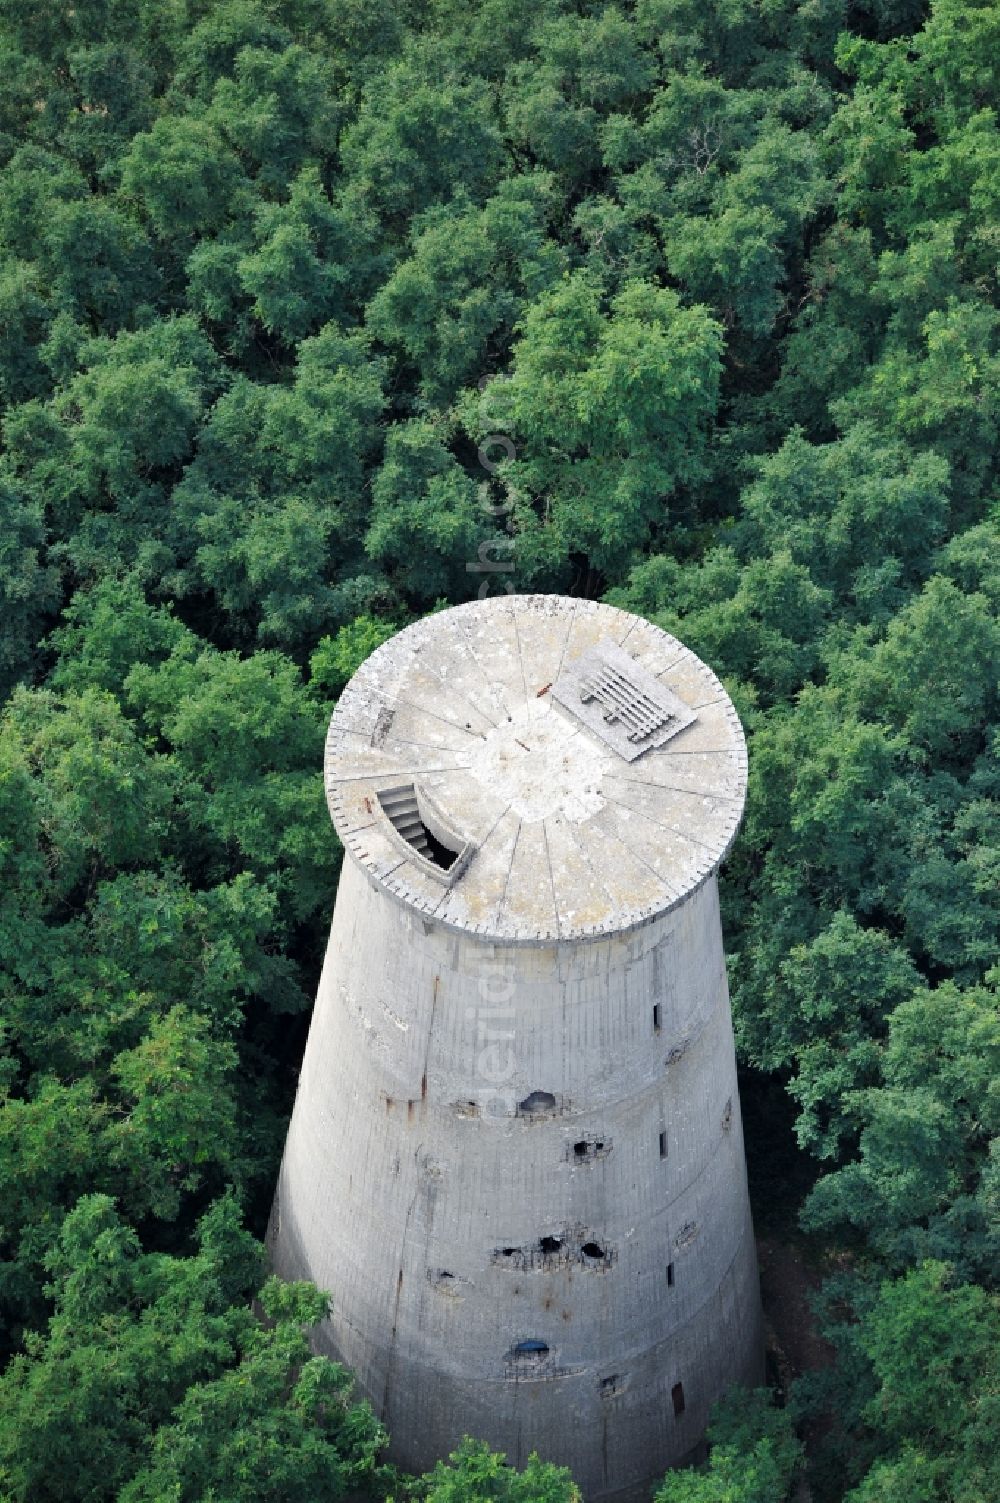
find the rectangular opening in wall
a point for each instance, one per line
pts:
(656, 1017)
(677, 1398)
(663, 1145)
(670, 1275)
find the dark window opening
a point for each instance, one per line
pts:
(538, 1101)
(663, 1145)
(677, 1397)
(609, 1385)
(532, 1349)
(588, 1149)
(508, 1252)
(656, 1017)
(592, 1250)
(670, 1275)
(550, 1244)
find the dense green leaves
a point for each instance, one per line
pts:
(307, 312)
(923, 1185)
(153, 1380)
(923, 1350)
(754, 1456)
(608, 413)
(475, 1474)
(278, 1424)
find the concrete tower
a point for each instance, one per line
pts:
(516, 1158)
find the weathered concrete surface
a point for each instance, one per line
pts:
(571, 840)
(517, 1119)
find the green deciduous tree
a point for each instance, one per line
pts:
(754, 1456)
(471, 271)
(923, 1349)
(277, 1424)
(307, 261)
(427, 514)
(183, 177)
(154, 1378)
(422, 133)
(922, 1185)
(475, 1474)
(28, 588)
(607, 412)
(338, 658)
(278, 111)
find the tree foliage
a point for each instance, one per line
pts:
(475, 1474)
(153, 1381)
(307, 312)
(754, 1456)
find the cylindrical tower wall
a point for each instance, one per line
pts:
(499, 1144)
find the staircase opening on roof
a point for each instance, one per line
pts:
(422, 827)
(441, 854)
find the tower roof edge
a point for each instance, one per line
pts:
(536, 768)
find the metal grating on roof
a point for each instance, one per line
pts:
(625, 702)
(620, 701)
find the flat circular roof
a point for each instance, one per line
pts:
(532, 768)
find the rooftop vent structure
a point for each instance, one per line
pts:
(621, 701)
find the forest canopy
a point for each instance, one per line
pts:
(318, 314)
